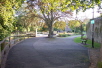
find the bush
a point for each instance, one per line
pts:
(99, 64)
(4, 34)
(64, 35)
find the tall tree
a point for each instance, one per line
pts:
(28, 22)
(52, 10)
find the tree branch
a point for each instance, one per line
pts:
(39, 16)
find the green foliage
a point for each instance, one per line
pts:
(28, 23)
(99, 64)
(44, 28)
(7, 11)
(73, 23)
(60, 25)
(64, 35)
(52, 10)
(77, 25)
(56, 29)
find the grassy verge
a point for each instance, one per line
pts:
(89, 43)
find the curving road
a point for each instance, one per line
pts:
(44, 52)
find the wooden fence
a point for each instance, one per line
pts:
(8, 42)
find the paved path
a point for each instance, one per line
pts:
(48, 53)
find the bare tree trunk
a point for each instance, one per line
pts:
(49, 23)
(81, 31)
(50, 35)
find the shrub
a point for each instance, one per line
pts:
(63, 35)
(99, 64)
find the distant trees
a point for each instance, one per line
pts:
(78, 25)
(28, 23)
(74, 24)
(60, 25)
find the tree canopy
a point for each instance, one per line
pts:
(7, 11)
(47, 10)
(73, 24)
(52, 10)
(60, 25)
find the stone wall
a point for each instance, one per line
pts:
(97, 30)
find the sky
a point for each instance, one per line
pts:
(88, 13)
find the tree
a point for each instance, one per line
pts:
(60, 25)
(78, 24)
(7, 11)
(73, 24)
(52, 10)
(28, 22)
(81, 28)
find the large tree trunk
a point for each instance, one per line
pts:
(49, 23)
(50, 35)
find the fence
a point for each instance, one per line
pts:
(8, 42)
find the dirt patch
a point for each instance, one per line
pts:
(94, 57)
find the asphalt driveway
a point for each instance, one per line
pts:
(45, 52)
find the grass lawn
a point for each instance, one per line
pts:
(89, 43)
